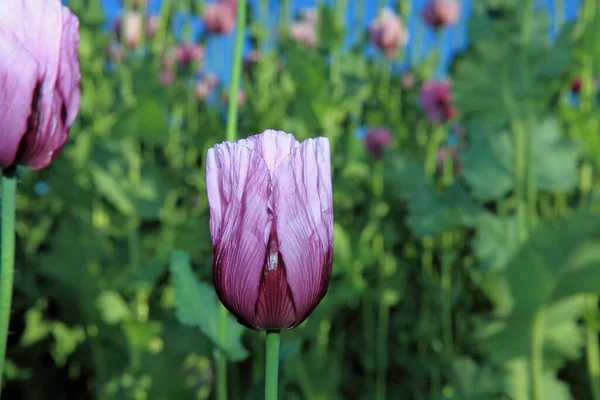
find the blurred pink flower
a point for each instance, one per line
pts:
(39, 80)
(388, 33)
(438, 13)
(130, 26)
(376, 140)
(187, 53)
(436, 100)
(205, 86)
(167, 76)
(304, 30)
(219, 17)
(408, 80)
(116, 52)
(271, 225)
(576, 85)
(241, 98)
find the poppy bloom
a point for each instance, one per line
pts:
(187, 53)
(436, 101)
(39, 80)
(271, 223)
(220, 17)
(438, 13)
(388, 33)
(304, 30)
(376, 141)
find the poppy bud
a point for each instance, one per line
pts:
(304, 30)
(39, 80)
(220, 17)
(376, 141)
(439, 13)
(436, 101)
(271, 223)
(388, 33)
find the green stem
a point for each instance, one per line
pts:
(446, 294)
(382, 350)
(236, 72)
(593, 349)
(9, 189)
(272, 365)
(520, 162)
(536, 356)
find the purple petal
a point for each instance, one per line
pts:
(237, 181)
(69, 74)
(273, 146)
(302, 201)
(275, 309)
(19, 76)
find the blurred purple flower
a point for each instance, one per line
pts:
(205, 86)
(439, 13)
(376, 141)
(304, 30)
(219, 17)
(129, 25)
(436, 100)
(39, 80)
(187, 53)
(271, 223)
(388, 33)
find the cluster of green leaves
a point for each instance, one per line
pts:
(442, 271)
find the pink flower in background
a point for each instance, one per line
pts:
(376, 140)
(408, 80)
(271, 224)
(304, 30)
(167, 76)
(576, 85)
(39, 80)
(438, 13)
(241, 98)
(187, 53)
(152, 25)
(219, 17)
(436, 101)
(205, 86)
(388, 33)
(129, 25)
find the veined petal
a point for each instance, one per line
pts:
(273, 146)
(237, 181)
(19, 77)
(69, 73)
(303, 207)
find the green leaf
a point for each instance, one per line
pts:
(496, 240)
(430, 212)
(112, 307)
(113, 190)
(197, 305)
(489, 167)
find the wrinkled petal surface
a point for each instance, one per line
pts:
(273, 146)
(303, 206)
(19, 76)
(237, 181)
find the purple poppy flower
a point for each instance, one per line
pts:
(39, 80)
(436, 100)
(219, 17)
(439, 13)
(388, 33)
(376, 141)
(271, 222)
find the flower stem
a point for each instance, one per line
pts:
(272, 365)
(382, 350)
(9, 188)
(592, 349)
(236, 72)
(536, 356)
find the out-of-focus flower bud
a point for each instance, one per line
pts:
(206, 85)
(439, 13)
(436, 101)
(388, 33)
(376, 140)
(219, 17)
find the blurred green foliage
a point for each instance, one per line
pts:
(453, 271)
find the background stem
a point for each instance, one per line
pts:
(9, 188)
(536, 360)
(272, 365)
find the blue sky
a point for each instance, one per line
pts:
(423, 38)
